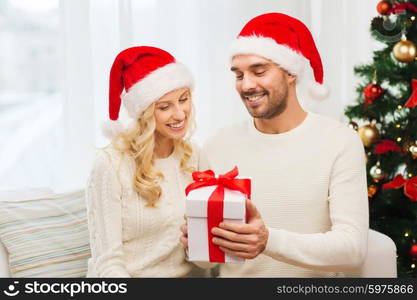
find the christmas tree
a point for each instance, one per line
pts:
(386, 108)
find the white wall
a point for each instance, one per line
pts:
(342, 32)
(198, 33)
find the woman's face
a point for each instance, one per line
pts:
(172, 113)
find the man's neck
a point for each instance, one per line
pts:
(289, 119)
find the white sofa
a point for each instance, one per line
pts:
(4, 262)
(381, 260)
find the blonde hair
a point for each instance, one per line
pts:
(139, 143)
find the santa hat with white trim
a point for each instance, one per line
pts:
(285, 41)
(140, 76)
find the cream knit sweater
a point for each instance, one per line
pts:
(309, 185)
(127, 238)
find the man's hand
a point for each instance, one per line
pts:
(243, 240)
(184, 236)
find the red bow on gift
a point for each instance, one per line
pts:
(410, 186)
(387, 145)
(215, 202)
(412, 101)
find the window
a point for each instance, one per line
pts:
(30, 92)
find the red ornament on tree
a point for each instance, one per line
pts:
(372, 92)
(410, 186)
(413, 251)
(412, 101)
(387, 145)
(384, 7)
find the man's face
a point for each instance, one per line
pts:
(262, 85)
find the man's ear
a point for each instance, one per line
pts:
(291, 78)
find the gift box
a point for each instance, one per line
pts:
(211, 200)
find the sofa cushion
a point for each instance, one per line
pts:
(45, 236)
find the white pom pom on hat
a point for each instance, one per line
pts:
(287, 42)
(318, 91)
(112, 128)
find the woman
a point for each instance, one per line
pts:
(135, 193)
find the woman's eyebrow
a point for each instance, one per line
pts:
(172, 100)
(164, 102)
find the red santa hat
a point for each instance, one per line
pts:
(287, 42)
(138, 77)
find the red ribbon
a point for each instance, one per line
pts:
(401, 7)
(216, 200)
(412, 101)
(410, 186)
(387, 145)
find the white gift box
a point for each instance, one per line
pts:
(234, 211)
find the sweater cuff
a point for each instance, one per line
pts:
(275, 243)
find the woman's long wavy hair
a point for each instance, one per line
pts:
(139, 143)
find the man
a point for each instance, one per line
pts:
(309, 207)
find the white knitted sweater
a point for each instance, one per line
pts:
(309, 185)
(127, 238)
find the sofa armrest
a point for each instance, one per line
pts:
(381, 259)
(4, 262)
